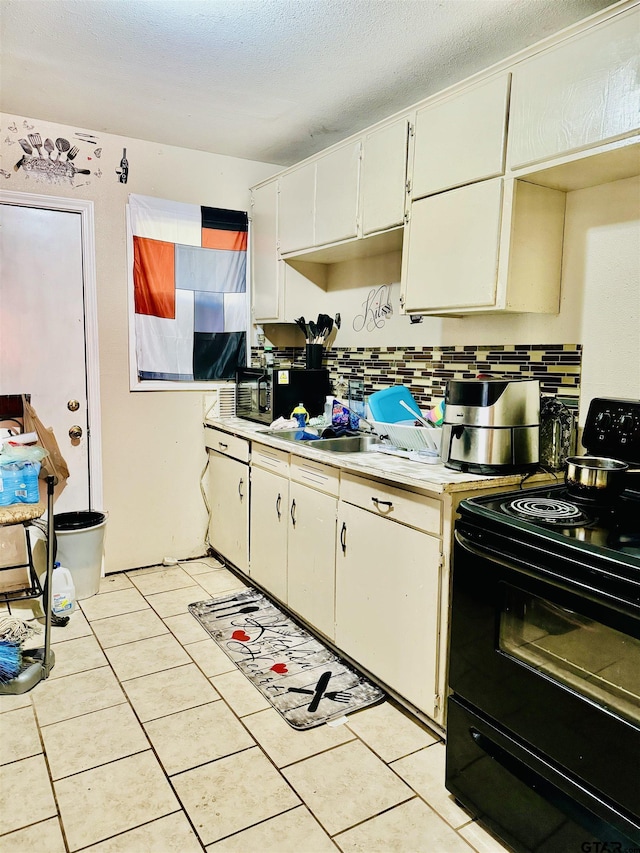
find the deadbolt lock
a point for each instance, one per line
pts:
(75, 432)
(73, 405)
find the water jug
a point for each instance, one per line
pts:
(63, 592)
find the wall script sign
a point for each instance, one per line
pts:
(376, 309)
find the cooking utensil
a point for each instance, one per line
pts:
(301, 324)
(251, 609)
(49, 147)
(72, 152)
(214, 606)
(334, 695)
(596, 477)
(36, 140)
(25, 146)
(63, 145)
(416, 415)
(319, 691)
(82, 171)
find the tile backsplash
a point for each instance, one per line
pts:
(426, 370)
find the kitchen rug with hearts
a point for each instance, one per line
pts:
(304, 681)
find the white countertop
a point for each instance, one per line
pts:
(395, 469)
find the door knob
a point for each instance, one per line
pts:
(73, 405)
(75, 433)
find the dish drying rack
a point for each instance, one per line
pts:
(406, 436)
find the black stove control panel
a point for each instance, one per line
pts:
(612, 429)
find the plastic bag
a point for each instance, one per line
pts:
(53, 464)
(21, 453)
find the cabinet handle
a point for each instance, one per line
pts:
(293, 512)
(380, 503)
(343, 537)
(222, 445)
(240, 484)
(278, 504)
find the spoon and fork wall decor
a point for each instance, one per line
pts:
(48, 160)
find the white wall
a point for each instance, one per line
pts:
(602, 263)
(153, 452)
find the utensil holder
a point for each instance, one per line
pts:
(313, 354)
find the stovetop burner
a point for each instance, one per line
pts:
(547, 510)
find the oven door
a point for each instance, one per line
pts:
(555, 665)
(523, 798)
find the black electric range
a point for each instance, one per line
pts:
(543, 729)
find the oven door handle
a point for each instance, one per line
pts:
(546, 574)
(533, 779)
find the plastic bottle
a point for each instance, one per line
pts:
(63, 591)
(300, 414)
(328, 409)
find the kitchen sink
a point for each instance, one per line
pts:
(348, 443)
(344, 444)
(286, 434)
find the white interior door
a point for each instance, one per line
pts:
(42, 330)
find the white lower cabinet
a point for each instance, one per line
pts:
(313, 501)
(228, 495)
(293, 533)
(269, 529)
(388, 597)
(311, 559)
(358, 560)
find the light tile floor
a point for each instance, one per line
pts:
(147, 739)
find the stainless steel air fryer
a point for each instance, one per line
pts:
(491, 426)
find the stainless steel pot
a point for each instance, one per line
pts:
(596, 476)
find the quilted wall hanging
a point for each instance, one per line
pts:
(190, 309)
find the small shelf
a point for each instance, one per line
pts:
(25, 593)
(360, 247)
(36, 663)
(588, 168)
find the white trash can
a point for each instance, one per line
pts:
(80, 546)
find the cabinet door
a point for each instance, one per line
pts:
(311, 558)
(269, 522)
(296, 205)
(387, 601)
(450, 252)
(461, 139)
(228, 495)
(337, 185)
(266, 272)
(580, 93)
(384, 176)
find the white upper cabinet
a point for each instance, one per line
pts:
(337, 190)
(461, 138)
(266, 271)
(577, 94)
(296, 209)
(384, 176)
(451, 253)
(318, 203)
(494, 245)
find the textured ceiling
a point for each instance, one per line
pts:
(269, 80)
